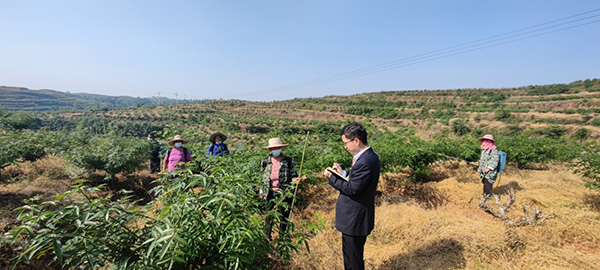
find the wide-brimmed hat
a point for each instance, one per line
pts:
(177, 138)
(487, 137)
(212, 137)
(275, 142)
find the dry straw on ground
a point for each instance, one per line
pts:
(413, 234)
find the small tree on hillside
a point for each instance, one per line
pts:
(503, 115)
(581, 134)
(459, 127)
(589, 166)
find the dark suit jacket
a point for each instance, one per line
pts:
(355, 208)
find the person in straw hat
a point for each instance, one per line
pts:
(487, 166)
(217, 147)
(279, 176)
(176, 155)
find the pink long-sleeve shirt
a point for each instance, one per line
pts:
(175, 157)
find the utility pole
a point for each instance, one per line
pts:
(176, 95)
(159, 98)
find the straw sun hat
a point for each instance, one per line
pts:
(274, 143)
(177, 138)
(212, 137)
(487, 137)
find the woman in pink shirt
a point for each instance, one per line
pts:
(177, 154)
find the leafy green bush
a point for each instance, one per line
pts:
(112, 154)
(540, 90)
(588, 165)
(464, 148)
(18, 121)
(25, 145)
(459, 127)
(581, 134)
(525, 150)
(502, 115)
(553, 131)
(596, 122)
(401, 150)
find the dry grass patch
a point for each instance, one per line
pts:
(459, 235)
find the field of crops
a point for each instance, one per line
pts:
(91, 203)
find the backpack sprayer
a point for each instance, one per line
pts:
(501, 165)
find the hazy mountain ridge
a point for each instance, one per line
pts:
(474, 99)
(24, 99)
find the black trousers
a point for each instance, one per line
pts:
(353, 248)
(284, 211)
(487, 187)
(154, 164)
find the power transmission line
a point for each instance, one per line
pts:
(537, 30)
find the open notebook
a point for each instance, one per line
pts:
(336, 173)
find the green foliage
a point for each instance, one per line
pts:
(111, 154)
(486, 96)
(463, 148)
(8, 155)
(18, 121)
(503, 115)
(513, 130)
(552, 89)
(401, 150)
(208, 221)
(79, 228)
(25, 145)
(554, 131)
(581, 134)
(589, 83)
(588, 165)
(596, 122)
(459, 127)
(525, 150)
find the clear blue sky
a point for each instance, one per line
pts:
(266, 50)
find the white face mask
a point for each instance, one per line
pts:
(217, 142)
(276, 152)
(178, 144)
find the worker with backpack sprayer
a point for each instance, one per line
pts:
(491, 162)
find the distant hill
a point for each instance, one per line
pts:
(24, 99)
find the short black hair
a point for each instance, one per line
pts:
(355, 130)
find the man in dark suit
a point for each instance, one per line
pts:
(355, 208)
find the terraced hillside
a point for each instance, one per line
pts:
(561, 109)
